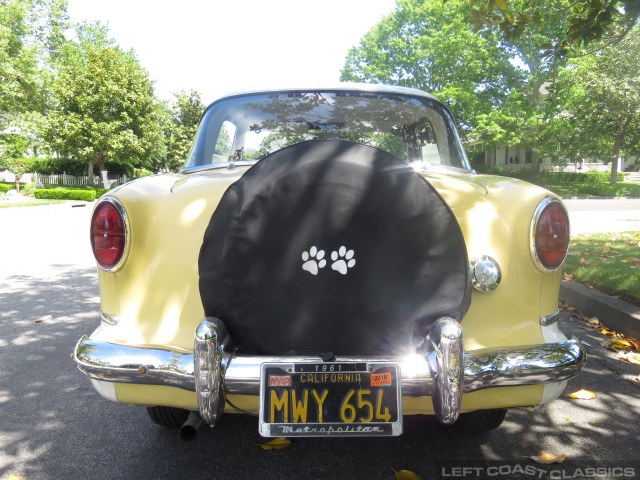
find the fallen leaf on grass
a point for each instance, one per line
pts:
(43, 319)
(406, 475)
(631, 259)
(548, 458)
(279, 443)
(583, 395)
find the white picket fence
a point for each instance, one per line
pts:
(62, 179)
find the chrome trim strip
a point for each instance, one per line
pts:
(528, 365)
(550, 319)
(532, 233)
(127, 231)
(108, 319)
(219, 165)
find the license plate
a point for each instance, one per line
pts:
(319, 399)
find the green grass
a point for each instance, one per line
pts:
(609, 262)
(592, 190)
(565, 190)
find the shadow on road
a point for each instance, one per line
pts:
(54, 426)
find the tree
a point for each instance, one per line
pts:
(494, 86)
(590, 20)
(600, 98)
(29, 30)
(104, 103)
(185, 112)
(18, 167)
(431, 46)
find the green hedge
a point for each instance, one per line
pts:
(64, 194)
(608, 190)
(551, 177)
(99, 190)
(5, 187)
(578, 177)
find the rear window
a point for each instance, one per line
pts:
(250, 127)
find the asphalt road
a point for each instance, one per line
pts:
(604, 215)
(54, 426)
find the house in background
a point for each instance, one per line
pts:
(519, 158)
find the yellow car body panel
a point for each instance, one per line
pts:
(155, 295)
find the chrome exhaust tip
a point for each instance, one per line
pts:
(189, 431)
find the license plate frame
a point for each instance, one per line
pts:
(376, 399)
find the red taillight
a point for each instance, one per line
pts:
(551, 237)
(108, 235)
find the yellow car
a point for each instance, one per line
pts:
(328, 261)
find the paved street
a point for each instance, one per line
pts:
(606, 215)
(54, 426)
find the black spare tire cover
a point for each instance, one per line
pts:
(332, 246)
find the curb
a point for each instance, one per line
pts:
(618, 315)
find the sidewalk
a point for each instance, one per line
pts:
(618, 315)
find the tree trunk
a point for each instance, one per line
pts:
(18, 177)
(535, 164)
(617, 145)
(614, 162)
(90, 173)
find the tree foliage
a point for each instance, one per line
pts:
(430, 45)
(30, 30)
(179, 129)
(494, 85)
(599, 99)
(589, 20)
(104, 103)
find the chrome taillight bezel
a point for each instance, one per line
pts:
(542, 206)
(127, 233)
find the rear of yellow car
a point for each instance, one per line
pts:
(197, 314)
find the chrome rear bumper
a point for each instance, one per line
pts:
(434, 371)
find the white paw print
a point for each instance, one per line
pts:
(313, 260)
(345, 261)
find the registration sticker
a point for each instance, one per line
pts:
(381, 379)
